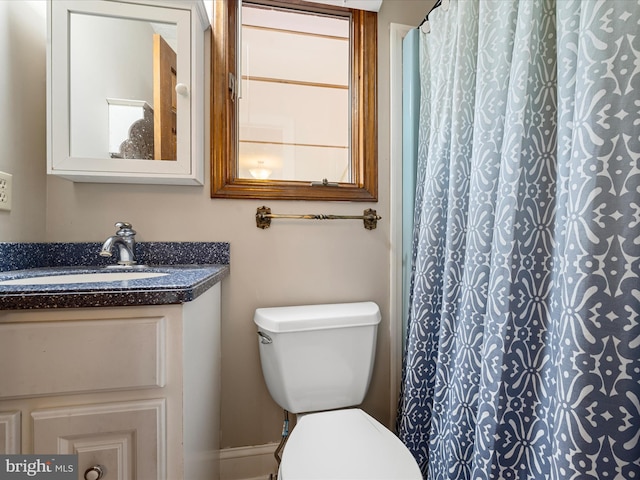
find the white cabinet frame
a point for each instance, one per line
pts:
(192, 21)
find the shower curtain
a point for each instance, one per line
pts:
(523, 340)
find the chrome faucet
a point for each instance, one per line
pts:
(125, 240)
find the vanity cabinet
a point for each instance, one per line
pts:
(125, 90)
(133, 389)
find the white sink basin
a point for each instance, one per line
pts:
(83, 278)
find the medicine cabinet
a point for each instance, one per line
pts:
(125, 91)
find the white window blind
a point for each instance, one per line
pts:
(370, 5)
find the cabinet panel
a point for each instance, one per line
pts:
(128, 438)
(81, 356)
(10, 432)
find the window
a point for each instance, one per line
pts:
(305, 125)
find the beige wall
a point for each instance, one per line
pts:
(22, 117)
(293, 262)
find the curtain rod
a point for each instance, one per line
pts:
(426, 17)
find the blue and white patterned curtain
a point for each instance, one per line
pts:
(523, 344)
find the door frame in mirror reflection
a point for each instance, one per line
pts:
(165, 99)
(225, 179)
(191, 20)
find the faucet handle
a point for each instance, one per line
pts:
(124, 229)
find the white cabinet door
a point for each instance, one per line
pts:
(128, 439)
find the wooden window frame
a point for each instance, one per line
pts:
(224, 124)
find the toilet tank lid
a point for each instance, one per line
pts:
(317, 317)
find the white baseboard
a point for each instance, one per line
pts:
(248, 463)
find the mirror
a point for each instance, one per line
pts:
(125, 90)
(117, 69)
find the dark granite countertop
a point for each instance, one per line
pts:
(191, 268)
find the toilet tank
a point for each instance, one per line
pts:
(318, 357)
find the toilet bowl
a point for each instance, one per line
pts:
(317, 362)
(345, 444)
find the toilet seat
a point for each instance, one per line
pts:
(348, 445)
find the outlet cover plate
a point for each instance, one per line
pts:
(5, 191)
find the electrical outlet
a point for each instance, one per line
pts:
(5, 191)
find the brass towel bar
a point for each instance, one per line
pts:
(369, 216)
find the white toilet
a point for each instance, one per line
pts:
(317, 361)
